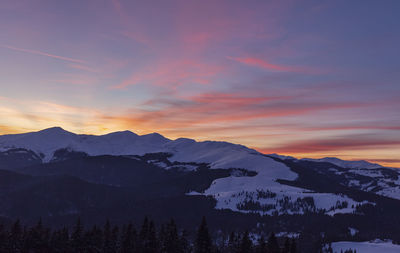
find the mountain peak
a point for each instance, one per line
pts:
(53, 130)
(122, 133)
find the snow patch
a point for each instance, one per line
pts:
(365, 247)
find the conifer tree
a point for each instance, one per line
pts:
(15, 238)
(77, 237)
(39, 237)
(59, 241)
(143, 235)
(293, 247)
(162, 237)
(233, 244)
(184, 243)
(128, 239)
(203, 240)
(172, 242)
(93, 240)
(246, 245)
(286, 246)
(151, 243)
(25, 239)
(273, 246)
(115, 244)
(261, 245)
(3, 239)
(107, 243)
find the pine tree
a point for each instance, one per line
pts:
(233, 244)
(171, 240)
(59, 241)
(77, 238)
(25, 240)
(246, 245)
(261, 245)
(286, 246)
(15, 238)
(128, 239)
(162, 237)
(3, 239)
(115, 245)
(107, 243)
(151, 243)
(293, 246)
(203, 240)
(93, 240)
(38, 238)
(273, 246)
(143, 235)
(184, 243)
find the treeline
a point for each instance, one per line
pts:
(168, 238)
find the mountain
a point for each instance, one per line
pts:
(58, 175)
(346, 164)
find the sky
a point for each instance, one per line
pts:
(301, 78)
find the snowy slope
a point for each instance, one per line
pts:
(366, 247)
(262, 194)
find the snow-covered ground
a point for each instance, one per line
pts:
(263, 194)
(383, 181)
(376, 246)
(229, 194)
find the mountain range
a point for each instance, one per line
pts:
(58, 176)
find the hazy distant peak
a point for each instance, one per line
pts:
(346, 164)
(54, 130)
(122, 133)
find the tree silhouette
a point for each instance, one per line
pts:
(246, 245)
(273, 246)
(203, 239)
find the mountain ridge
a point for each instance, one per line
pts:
(82, 142)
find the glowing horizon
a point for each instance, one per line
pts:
(309, 79)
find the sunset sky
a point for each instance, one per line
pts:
(302, 78)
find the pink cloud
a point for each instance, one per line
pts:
(172, 74)
(263, 64)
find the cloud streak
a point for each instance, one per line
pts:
(256, 62)
(266, 65)
(172, 74)
(333, 144)
(36, 52)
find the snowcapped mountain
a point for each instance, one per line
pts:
(220, 154)
(48, 141)
(264, 192)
